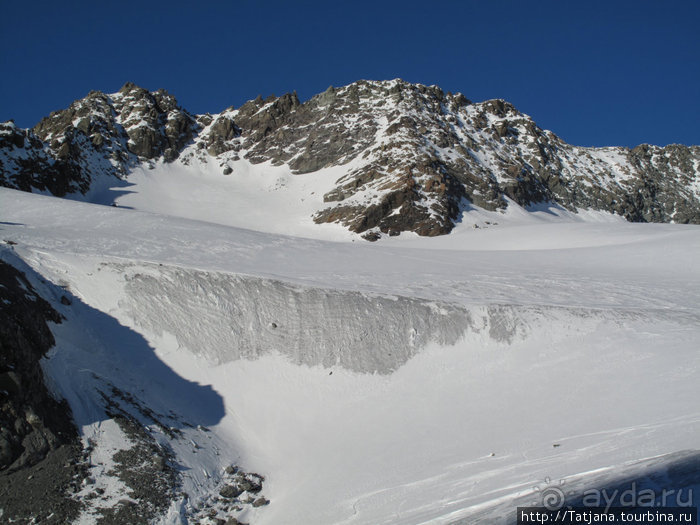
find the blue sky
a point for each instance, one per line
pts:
(596, 73)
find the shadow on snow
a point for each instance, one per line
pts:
(96, 356)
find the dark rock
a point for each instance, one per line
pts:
(230, 491)
(10, 382)
(221, 135)
(39, 444)
(154, 122)
(159, 463)
(36, 167)
(372, 236)
(24, 339)
(247, 486)
(6, 451)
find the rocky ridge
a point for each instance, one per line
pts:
(41, 456)
(417, 157)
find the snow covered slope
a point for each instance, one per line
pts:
(410, 381)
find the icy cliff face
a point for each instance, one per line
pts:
(416, 157)
(245, 317)
(241, 317)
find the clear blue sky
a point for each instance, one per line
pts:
(594, 72)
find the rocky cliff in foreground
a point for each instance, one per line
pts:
(416, 157)
(41, 457)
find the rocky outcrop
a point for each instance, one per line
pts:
(437, 152)
(89, 137)
(40, 451)
(98, 136)
(132, 121)
(27, 163)
(222, 133)
(33, 422)
(154, 122)
(415, 156)
(309, 136)
(237, 492)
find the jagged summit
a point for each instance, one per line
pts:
(128, 86)
(415, 156)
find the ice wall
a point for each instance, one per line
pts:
(224, 317)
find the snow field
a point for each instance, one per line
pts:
(535, 333)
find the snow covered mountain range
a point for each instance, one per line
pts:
(413, 158)
(193, 331)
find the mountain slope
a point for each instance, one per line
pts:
(402, 157)
(405, 382)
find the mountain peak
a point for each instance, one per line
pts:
(130, 86)
(415, 156)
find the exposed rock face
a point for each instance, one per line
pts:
(310, 136)
(27, 163)
(33, 422)
(40, 451)
(155, 124)
(416, 156)
(436, 151)
(221, 132)
(99, 135)
(88, 137)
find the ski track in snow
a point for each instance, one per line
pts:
(505, 341)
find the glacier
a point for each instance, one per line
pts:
(442, 380)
